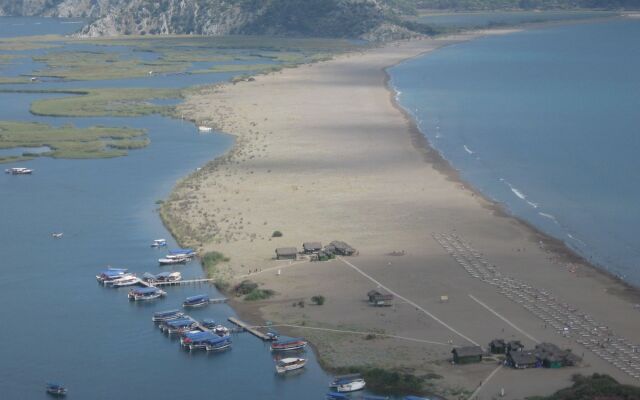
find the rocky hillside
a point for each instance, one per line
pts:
(373, 19)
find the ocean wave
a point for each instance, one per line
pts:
(72, 22)
(519, 194)
(549, 216)
(468, 150)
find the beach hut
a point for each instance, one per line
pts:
(554, 357)
(523, 359)
(497, 346)
(311, 247)
(286, 253)
(341, 248)
(466, 355)
(379, 299)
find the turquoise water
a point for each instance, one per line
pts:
(545, 122)
(467, 20)
(58, 324)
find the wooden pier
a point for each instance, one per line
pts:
(252, 330)
(185, 282)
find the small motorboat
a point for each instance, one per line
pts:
(168, 276)
(348, 383)
(288, 344)
(204, 129)
(218, 344)
(56, 389)
(169, 315)
(159, 243)
(145, 293)
(216, 328)
(196, 301)
(272, 335)
(290, 364)
(18, 171)
(57, 235)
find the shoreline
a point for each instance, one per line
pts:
(429, 155)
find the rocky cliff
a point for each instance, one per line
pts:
(320, 18)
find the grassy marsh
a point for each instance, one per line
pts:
(68, 141)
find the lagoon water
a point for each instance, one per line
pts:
(58, 324)
(545, 122)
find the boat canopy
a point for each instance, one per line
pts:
(343, 379)
(200, 336)
(195, 299)
(111, 273)
(166, 313)
(53, 385)
(148, 276)
(182, 251)
(145, 290)
(176, 323)
(218, 339)
(288, 340)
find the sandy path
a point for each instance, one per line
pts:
(323, 154)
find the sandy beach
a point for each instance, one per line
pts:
(323, 153)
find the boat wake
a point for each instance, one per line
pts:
(468, 150)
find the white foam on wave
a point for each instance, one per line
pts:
(72, 22)
(549, 216)
(519, 194)
(570, 236)
(468, 150)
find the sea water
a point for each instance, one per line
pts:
(547, 123)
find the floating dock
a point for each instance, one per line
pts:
(249, 328)
(185, 282)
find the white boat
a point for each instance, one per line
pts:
(145, 293)
(120, 278)
(18, 171)
(159, 243)
(348, 383)
(290, 364)
(57, 235)
(203, 128)
(172, 259)
(126, 281)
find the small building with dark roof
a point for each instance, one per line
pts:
(311, 247)
(466, 355)
(379, 299)
(552, 356)
(523, 359)
(341, 248)
(286, 253)
(497, 346)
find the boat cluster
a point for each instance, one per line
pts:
(205, 335)
(286, 344)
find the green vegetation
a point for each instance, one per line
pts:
(259, 294)
(596, 386)
(12, 79)
(318, 300)
(117, 102)
(68, 141)
(240, 68)
(276, 234)
(211, 260)
(389, 382)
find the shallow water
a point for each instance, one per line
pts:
(60, 325)
(545, 122)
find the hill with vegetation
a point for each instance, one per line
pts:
(478, 5)
(594, 387)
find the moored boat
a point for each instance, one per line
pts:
(197, 339)
(219, 344)
(128, 280)
(348, 383)
(56, 389)
(288, 344)
(159, 243)
(204, 129)
(172, 259)
(145, 293)
(196, 301)
(111, 274)
(168, 315)
(290, 364)
(18, 171)
(179, 325)
(190, 253)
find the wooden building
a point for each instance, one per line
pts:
(340, 248)
(286, 253)
(523, 359)
(380, 299)
(466, 355)
(311, 247)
